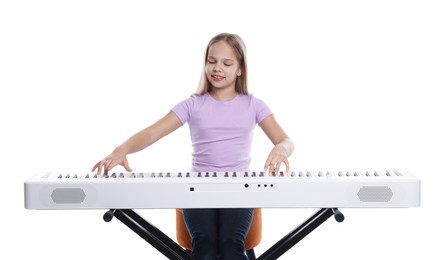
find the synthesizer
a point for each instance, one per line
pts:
(151, 190)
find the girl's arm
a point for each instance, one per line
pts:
(283, 145)
(139, 141)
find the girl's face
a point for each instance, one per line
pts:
(222, 66)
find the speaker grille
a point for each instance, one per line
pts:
(375, 194)
(68, 195)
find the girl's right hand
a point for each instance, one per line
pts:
(109, 162)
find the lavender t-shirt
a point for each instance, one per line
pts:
(221, 131)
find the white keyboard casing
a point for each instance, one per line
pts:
(307, 189)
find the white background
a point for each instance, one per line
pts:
(354, 83)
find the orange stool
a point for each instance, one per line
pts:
(253, 239)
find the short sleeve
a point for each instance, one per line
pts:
(262, 110)
(184, 108)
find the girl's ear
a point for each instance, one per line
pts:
(239, 73)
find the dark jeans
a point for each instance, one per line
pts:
(218, 232)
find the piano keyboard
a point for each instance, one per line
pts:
(220, 174)
(320, 189)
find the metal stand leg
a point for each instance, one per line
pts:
(150, 233)
(251, 255)
(173, 251)
(300, 232)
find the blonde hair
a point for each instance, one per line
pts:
(239, 49)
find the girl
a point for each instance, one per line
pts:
(221, 116)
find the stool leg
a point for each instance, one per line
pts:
(251, 255)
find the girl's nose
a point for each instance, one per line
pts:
(216, 67)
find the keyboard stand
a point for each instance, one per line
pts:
(149, 232)
(300, 232)
(174, 251)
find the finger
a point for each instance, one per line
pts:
(267, 164)
(278, 167)
(126, 165)
(98, 167)
(101, 167)
(287, 166)
(109, 165)
(272, 168)
(95, 167)
(106, 165)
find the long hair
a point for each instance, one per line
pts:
(239, 49)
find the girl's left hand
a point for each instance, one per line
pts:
(277, 156)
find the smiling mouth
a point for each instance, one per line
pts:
(217, 77)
